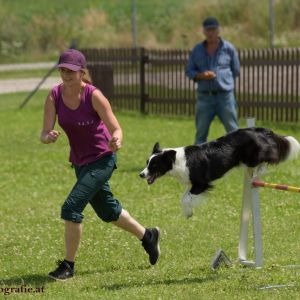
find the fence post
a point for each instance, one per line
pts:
(143, 60)
(103, 78)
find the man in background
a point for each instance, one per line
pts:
(214, 65)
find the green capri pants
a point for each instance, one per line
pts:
(92, 187)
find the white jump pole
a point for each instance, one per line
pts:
(250, 205)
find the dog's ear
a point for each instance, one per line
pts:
(169, 156)
(156, 148)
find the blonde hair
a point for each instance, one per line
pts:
(86, 76)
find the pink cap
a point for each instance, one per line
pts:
(72, 59)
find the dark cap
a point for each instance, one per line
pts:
(72, 59)
(211, 22)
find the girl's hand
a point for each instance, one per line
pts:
(114, 144)
(50, 137)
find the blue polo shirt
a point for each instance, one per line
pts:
(224, 62)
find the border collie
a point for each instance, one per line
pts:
(196, 166)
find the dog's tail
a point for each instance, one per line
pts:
(294, 148)
(287, 146)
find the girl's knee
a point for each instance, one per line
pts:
(68, 214)
(109, 213)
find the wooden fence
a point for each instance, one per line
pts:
(154, 81)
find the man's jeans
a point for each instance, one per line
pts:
(208, 106)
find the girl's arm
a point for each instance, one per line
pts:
(48, 135)
(103, 108)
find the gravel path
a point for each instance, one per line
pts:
(26, 84)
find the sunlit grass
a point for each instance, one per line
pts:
(38, 30)
(111, 264)
(15, 74)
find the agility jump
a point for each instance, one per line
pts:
(282, 187)
(251, 205)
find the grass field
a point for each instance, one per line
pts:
(111, 264)
(15, 74)
(33, 30)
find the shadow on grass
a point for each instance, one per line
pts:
(39, 280)
(32, 279)
(113, 268)
(182, 281)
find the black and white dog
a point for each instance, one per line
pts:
(196, 166)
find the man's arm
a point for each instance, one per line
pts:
(192, 70)
(207, 75)
(235, 63)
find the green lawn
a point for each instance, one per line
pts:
(111, 264)
(15, 74)
(32, 30)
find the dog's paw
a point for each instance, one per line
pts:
(188, 213)
(187, 207)
(260, 170)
